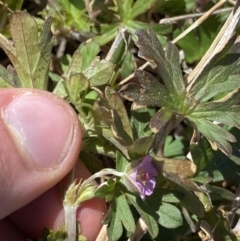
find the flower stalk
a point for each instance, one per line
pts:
(70, 222)
(76, 195)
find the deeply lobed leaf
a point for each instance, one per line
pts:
(196, 102)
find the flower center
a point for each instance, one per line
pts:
(143, 177)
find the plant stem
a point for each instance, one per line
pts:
(70, 222)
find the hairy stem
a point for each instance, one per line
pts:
(70, 222)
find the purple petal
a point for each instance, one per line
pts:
(133, 175)
(148, 167)
(149, 186)
(143, 177)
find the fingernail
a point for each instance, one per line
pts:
(41, 126)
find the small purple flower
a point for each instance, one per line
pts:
(144, 176)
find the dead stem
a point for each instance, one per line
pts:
(194, 15)
(199, 21)
(218, 44)
(102, 236)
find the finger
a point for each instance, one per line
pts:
(47, 211)
(40, 143)
(9, 232)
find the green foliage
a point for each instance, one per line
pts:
(194, 104)
(146, 214)
(31, 54)
(71, 15)
(49, 235)
(128, 10)
(5, 7)
(119, 214)
(196, 43)
(174, 148)
(68, 15)
(115, 136)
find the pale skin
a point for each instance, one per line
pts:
(40, 141)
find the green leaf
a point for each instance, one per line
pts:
(58, 235)
(120, 113)
(196, 104)
(142, 145)
(99, 72)
(167, 66)
(201, 153)
(88, 52)
(170, 216)
(146, 213)
(75, 16)
(97, 144)
(225, 112)
(154, 92)
(127, 65)
(196, 43)
(118, 129)
(140, 121)
(161, 136)
(112, 114)
(140, 7)
(169, 196)
(115, 228)
(163, 195)
(221, 168)
(108, 33)
(171, 7)
(117, 104)
(31, 55)
(189, 200)
(119, 215)
(92, 163)
(121, 162)
(4, 80)
(174, 148)
(159, 29)
(173, 67)
(107, 192)
(217, 136)
(220, 71)
(124, 8)
(217, 193)
(49, 235)
(125, 214)
(14, 5)
(74, 67)
(61, 90)
(128, 10)
(77, 84)
(219, 76)
(103, 123)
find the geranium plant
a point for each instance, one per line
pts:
(168, 131)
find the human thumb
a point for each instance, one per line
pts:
(40, 141)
